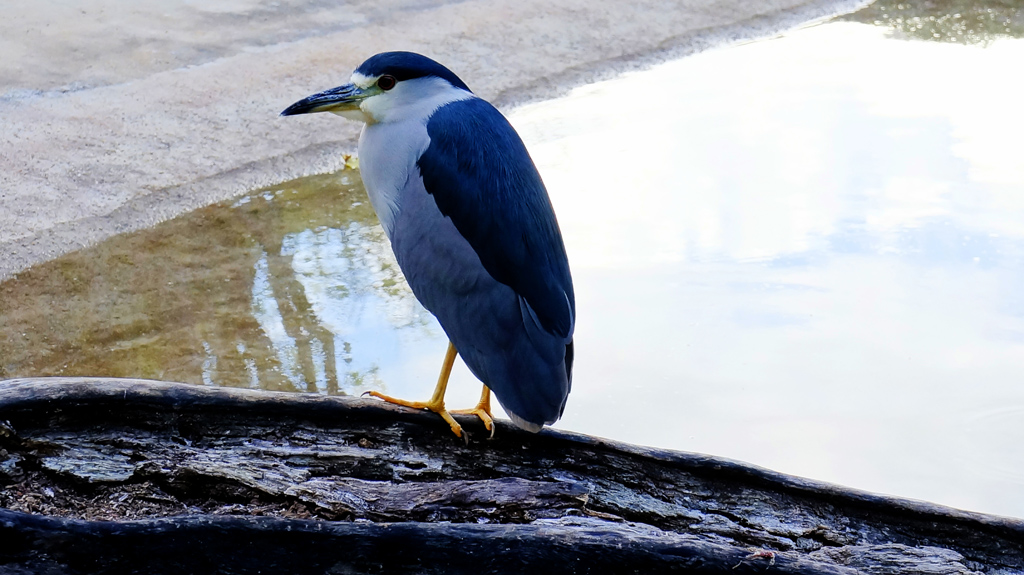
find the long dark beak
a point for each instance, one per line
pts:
(338, 99)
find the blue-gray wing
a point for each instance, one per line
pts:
(481, 176)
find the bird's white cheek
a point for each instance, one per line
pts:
(374, 109)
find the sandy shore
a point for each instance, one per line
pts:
(118, 115)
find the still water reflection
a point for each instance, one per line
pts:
(292, 288)
(806, 253)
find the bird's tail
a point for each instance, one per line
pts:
(523, 424)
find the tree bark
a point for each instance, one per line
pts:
(122, 476)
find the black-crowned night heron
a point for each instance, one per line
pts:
(472, 228)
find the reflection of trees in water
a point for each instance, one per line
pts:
(179, 301)
(355, 291)
(353, 261)
(960, 21)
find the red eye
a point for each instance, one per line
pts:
(386, 82)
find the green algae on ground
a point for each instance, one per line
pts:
(956, 21)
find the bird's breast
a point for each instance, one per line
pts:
(388, 153)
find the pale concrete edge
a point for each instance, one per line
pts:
(171, 202)
(14, 392)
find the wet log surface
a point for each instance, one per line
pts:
(123, 476)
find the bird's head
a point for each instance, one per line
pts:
(388, 87)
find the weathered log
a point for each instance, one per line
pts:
(119, 476)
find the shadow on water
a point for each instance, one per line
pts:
(957, 21)
(267, 291)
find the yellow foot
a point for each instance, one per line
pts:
(482, 410)
(483, 414)
(435, 406)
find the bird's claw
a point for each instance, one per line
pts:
(483, 414)
(435, 406)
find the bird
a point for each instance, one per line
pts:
(472, 229)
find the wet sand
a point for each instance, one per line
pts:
(118, 115)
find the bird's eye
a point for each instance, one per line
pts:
(386, 82)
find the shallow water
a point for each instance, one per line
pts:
(822, 265)
(293, 288)
(804, 252)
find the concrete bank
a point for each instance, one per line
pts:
(112, 122)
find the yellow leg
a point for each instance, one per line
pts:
(482, 410)
(436, 401)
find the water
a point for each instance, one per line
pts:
(804, 252)
(823, 269)
(291, 289)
